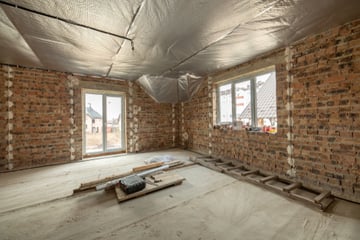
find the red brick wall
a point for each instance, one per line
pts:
(153, 122)
(41, 118)
(196, 119)
(42, 127)
(325, 77)
(326, 73)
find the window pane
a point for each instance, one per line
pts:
(225, 103)
(94, 123)
(266, 102)
(113, 124)
(243, 103)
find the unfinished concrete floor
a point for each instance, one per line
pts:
(35, 204)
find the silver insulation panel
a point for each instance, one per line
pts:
(170, 37)
(170, 90)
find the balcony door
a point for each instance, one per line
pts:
(104, 126)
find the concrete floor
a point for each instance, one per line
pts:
(36, 204)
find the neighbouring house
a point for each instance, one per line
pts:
(266, 105)
(113, 124)
(93, 121)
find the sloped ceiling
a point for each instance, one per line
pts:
(126, 39)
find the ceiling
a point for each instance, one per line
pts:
(126, 39)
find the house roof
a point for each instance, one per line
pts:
(92, 113)
(266, 97)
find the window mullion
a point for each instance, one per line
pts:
(233, 103)
(218, 105)
(104, 135)
(253, 103)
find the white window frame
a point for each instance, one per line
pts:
(253, 98)
(104, 93)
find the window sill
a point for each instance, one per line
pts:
(230, 127)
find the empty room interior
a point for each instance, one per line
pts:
(174, 119)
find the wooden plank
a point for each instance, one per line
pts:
(223, 163)
(202, 157)
(233, 168)
(92, 185)
(175, 163)
(147, 167)
(268, 178)
(325, 203)
(274, 186)
(212, 159)
(299, 196)
(249, 172)
(291, 186)
(322, 196)
(166, 180)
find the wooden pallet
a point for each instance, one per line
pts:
(153, 183)
(294, 190)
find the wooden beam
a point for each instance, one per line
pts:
(249, 172)
(223, 163)
(233, 168)
(291, 186)
(211, 159)
(322, 196)
(268, 178)
(146, 167)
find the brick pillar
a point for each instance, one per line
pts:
(210, 112)
(9, 116)
(173, 117)
(290, 107)
(72, 81)
(133, 110)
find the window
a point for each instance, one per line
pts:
(225, 103)
(249, 102)
(103, 116)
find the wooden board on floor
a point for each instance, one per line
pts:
(160, 181)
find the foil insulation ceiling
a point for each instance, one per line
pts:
(125, 39)
(170, 90)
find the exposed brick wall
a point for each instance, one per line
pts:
(154, 120)
(196, 118)
(326, 82)
(323, 72)
(47, 117)
(41, 118)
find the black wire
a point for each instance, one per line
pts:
(67, 21)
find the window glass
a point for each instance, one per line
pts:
(225, 103)
(242, 101)
(266, 102)
(249, 103)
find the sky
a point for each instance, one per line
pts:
(113, 104)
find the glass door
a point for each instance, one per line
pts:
(113, 123)
(103, 122)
